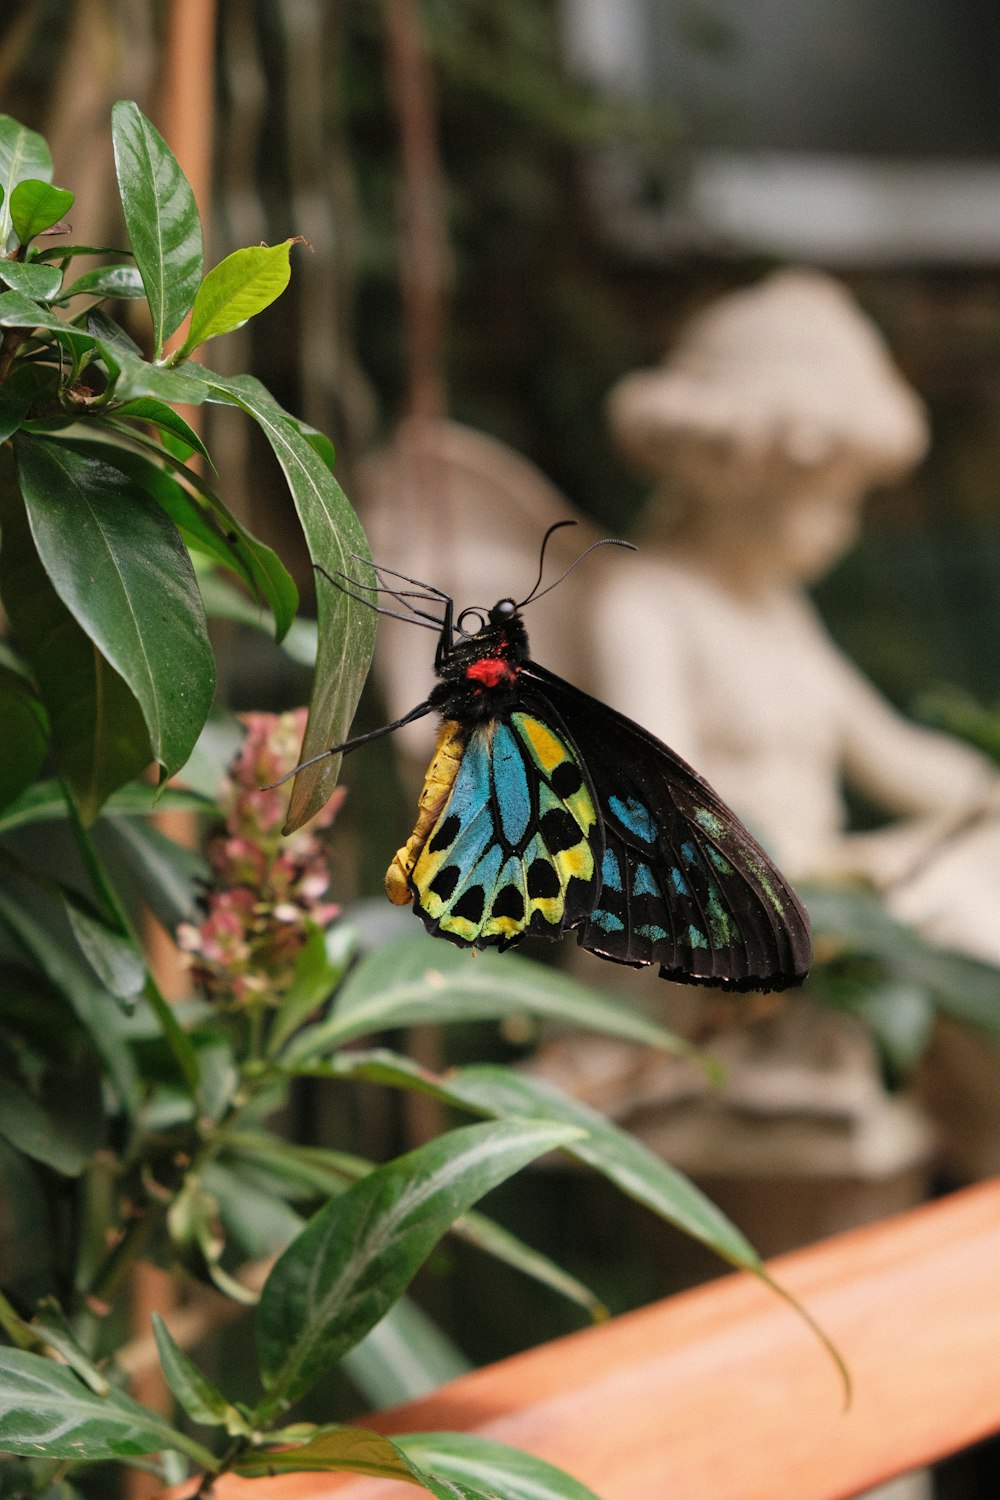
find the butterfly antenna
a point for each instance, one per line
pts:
(556, 526)
(605, 541)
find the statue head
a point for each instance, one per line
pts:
(776, 411)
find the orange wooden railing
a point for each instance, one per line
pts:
(722, 1394)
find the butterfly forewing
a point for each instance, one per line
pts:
(683, 883)
(515, 848)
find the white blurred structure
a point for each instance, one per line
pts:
(775, 413)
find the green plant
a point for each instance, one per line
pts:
(135, 1129)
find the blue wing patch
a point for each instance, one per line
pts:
(512, 848)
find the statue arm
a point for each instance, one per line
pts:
(901, 766)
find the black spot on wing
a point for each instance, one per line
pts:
(445, 881)
(470, 904)
(543, 880)
(559, 830)
(446, 834)
(509, 903)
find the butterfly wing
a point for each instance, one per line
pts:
(683, 883)
(515, 848)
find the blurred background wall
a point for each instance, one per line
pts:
(589, 173)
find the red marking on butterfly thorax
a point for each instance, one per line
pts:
(491, 671)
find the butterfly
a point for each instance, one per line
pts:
(545, 811)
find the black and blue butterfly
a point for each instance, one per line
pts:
(544, 811)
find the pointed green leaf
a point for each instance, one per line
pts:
(52, 1324)
(119, 566)
(46, 1412)
(236, 290)
(114, 958)
(35, 206)
(23, 153)
(98, 734)
(320, 965)
(609, 1150)
(171, 876)
(420, 979)
(19, 311)
(117, 282)
(336, 542)
(494, 1468)
(91, 1006)
(406, 1355)
(351, 1262)
(136, 377)
(28, 1126)
(199, 1396)
(158, 414)
(24, 742)
(493, 1239)
(161, 217)
(46, 800)
(353, 1450)
(41, 283)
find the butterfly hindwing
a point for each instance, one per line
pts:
(683, 883)
(515, 847)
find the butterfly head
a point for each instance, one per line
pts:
(479, 671)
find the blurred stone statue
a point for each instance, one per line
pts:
(773, 416)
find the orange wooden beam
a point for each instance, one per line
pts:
(721, 1393)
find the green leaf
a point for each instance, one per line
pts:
(24, 742)
(193, 520)
(611, 1151)
(45, 1411)
(23, 153)
(206, 522)
(46, 801)
(115, 959)
(316, 439)
(84, 997)
(465, 1458)
(296, 636)
(52, 1324)
(119, 566)
(28, 1126)
(41, 283)
(98, 734)
(493, 1239)
(35, 206)
(255, 1222)
(406, 1355)
(199, 1396)
(161, 217)
(320, 965)
(122, 283)
(351, 1262)
(422, 979)
(19, 311)
(346, 628)
(354, 1450)
(69, 252)
(236, 290)
(170, 877)
(158, 414)
(135, 377)
(14, 407)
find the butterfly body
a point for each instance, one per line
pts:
(544, 810)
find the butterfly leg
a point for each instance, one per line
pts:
(438, 782)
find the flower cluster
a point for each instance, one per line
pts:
(267, 895)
